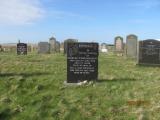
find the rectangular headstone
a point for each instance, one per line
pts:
(82, 62)
(21, 49)
(43, 47)
(149, 52)
(131, 46)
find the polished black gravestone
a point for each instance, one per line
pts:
(21, 49)
(149, 52)
(82, 62)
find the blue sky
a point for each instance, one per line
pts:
(86, 20)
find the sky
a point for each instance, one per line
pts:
(32, 21)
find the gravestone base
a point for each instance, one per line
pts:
(76, 84)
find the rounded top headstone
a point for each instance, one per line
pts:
(131, 36)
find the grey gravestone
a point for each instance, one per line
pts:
(52, 42)
(131, 46)
(57, 46)
(68, 41)
(149, 52)
(43, 47)
(82, 62)
(119, 44)
(21, 49)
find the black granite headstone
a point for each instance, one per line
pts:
(82, 62)
(149, 52)
(21, 49)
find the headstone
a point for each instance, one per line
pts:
(110, 47)
(82, 62)
(149, 52)
(21, 49)
(52, 42)
(104, 48)
(68, 41)
(57, 46)
(43, 47)
(119, 44)
(131, 46)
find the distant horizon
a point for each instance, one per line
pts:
(33, 21)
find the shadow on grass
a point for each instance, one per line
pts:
(148, 65)
(24, 74)
(117, 80)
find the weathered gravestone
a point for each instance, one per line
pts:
(58, 46)
(82, 62)
(131, 46)
(119, 44)
(149, 52)
(68, 41)
(21, 49)
(52, 42)
(43, 47)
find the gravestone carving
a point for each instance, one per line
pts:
(149, 52)
(82, 62)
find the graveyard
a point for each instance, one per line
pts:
(32, 88)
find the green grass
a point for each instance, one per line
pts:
(32, 88)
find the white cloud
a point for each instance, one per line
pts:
(57, 14)
(19, 12)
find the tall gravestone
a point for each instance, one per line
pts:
(131, 46)
(149, 52)
(66, 43)
(43, 47)
(82, 62)
(57, 46)
(21, 49)
(119, 44)
(52, 42)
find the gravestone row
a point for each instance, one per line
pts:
(52, 47)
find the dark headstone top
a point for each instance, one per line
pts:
(149, 52)
(21, 49)
(82, 62)
(68, 41)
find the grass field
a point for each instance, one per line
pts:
(31, 88)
